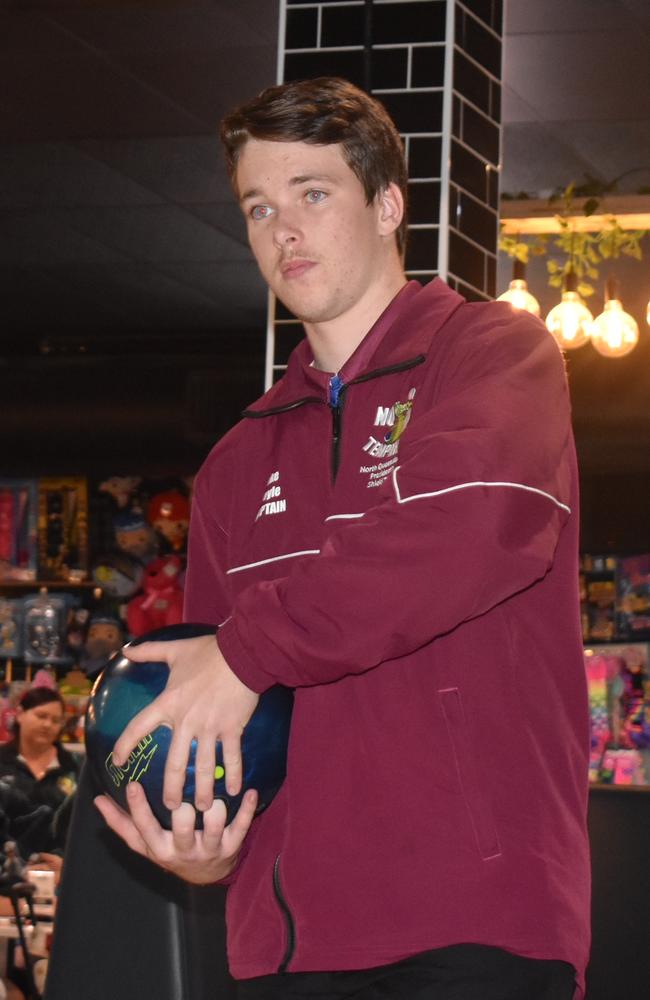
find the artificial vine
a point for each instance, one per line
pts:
(580, 252)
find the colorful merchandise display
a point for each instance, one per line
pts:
(106, 563)
(18, 518)
(618, 678)
(598, 598)
(63, 529)
(633, 597)
(161, 600)
(75, 688)
(45, 619)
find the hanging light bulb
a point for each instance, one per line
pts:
(614, 333)
(647, 315)
(517, 294)
(570, 321)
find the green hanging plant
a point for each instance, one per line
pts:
(577, 251)
(522, 250)
(581, 256)
(614, 241)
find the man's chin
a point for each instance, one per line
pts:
(304, 311)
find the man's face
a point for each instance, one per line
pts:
(319, 246)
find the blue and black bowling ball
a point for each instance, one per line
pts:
(124, 688)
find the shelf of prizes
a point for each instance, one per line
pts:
(615, 609)
(84, 566)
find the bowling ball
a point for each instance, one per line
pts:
(124, 688)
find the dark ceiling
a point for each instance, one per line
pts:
(132, 314)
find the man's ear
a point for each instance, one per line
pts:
(391, 209)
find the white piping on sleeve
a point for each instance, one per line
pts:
(466, 486)
(342, 517)
(264, 562)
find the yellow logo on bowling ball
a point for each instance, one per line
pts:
(136, 764)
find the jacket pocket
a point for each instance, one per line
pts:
(287, 915)
(473, 789)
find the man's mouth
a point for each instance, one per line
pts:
(296, 267)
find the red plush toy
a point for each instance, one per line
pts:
(162, 601)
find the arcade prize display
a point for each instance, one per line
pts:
(615, 595)
(84, 566)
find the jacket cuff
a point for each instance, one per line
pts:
(238, 659)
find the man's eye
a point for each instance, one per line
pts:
(313, 197)
(260, 212)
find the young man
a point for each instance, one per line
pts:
(392, 531)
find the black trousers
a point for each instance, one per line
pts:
(461, 972)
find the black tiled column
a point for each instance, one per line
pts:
(436, 66)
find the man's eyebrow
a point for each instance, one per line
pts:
(293, 182)
(251, 193)
(308, 178)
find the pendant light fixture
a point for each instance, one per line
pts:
(614, 333)
(517, 294)
(570, 321)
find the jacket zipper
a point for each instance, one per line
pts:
(291, 927)
(336, 396)
(337, 389)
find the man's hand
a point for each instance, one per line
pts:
(203, 700)
(198, 856)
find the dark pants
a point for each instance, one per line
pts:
(462, 972)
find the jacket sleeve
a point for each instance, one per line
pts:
(470, 517)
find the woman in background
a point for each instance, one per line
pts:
(37, 774)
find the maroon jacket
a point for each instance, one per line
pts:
(408, 562)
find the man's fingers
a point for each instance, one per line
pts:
(214, 822)
(204, 768)
(153, 652)
(232, 762)
(176, 768)
(140, 726)
(183, 831)
(150, 830)
(240, 824)
(121, 824)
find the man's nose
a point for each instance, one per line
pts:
(286, 231)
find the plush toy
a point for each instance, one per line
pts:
(105, 637)
(120, 488)
(134, 536)
(118, 574)
(162, 600)
(169, 514)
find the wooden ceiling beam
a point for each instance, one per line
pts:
(532, 216)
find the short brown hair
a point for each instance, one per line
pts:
(324, 111)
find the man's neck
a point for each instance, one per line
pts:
(334, 341)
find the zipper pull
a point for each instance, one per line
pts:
(336, 384)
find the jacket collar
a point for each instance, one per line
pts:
(402, 334)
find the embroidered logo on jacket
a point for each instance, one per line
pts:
(272, 501)
(396, 418)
